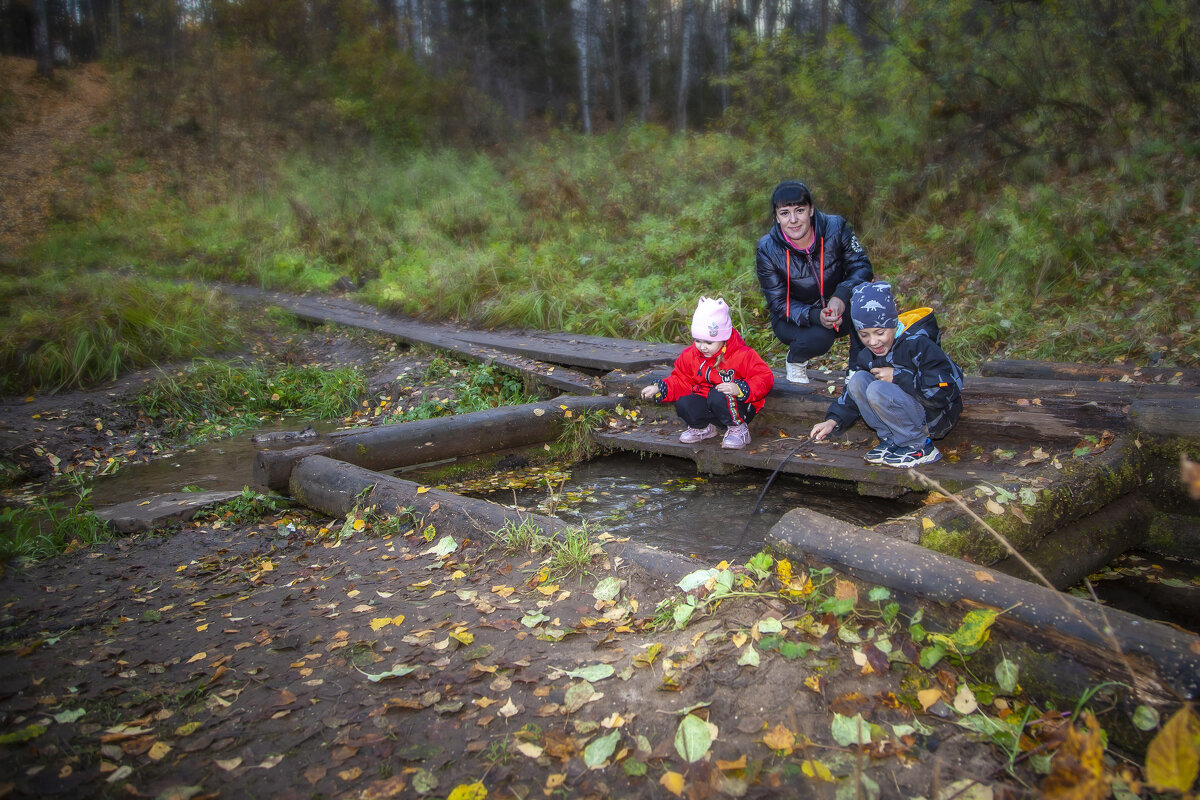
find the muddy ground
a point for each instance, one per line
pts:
(275, 659)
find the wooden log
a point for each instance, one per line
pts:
(1089, 643)
(333, 487)
(1057, 370)
(1083, 487)
(1168, 418)
(1071, 553)
(423, 441)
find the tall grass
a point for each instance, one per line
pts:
(66, 328)
(1059, 247)
(216, 399)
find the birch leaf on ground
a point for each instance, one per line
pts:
(608, 589)
(600, 749)
(596, 672)
(577, 695)
(692, 738)
(397, 671)
(694, 580)
(850, 730)
(672, 782)
(749, 657)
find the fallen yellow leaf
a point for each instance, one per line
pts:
(780, 738)
(726, 766)
(672, 782)
(927, 697)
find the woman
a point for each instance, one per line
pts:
(808, 265)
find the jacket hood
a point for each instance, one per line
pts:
(920, 322)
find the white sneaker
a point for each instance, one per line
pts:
(797, 373)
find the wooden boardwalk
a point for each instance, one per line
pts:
(1039, 446)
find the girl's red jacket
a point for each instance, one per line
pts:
(737, 362)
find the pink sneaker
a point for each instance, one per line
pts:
(693, 435)
(736, 437)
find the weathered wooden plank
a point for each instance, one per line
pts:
(592, 352)
(992, 414)
(589, 352)
(827, 461)
(1084, 486)
(422, 441)
(1057, 370)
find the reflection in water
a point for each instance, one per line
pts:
(662, 501)
(215, 466)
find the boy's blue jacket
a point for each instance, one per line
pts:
(921, 368)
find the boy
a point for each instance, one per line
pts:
(719, 380)
(904, 386)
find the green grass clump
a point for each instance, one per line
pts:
(62, 329)
(49, 527)
(467, 388)
(249, 506)
(217, 399)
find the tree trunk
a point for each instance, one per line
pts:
(581, 22)
(642, 58)
(617, 63)
(41, 39)
(685, 63)
(721, 33)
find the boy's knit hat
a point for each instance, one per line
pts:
(872, 306)
(711, 321)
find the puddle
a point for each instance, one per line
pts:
(1151, 586)
(217, 465)
(662, 502)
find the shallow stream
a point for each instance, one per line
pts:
(659, 501)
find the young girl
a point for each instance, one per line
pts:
(719, 381)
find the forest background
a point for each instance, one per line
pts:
(1027, 168)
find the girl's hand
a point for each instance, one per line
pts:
(822, 429)
(650, 392)
(729, 388)
(883, 373)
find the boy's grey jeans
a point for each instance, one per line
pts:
(890, 411)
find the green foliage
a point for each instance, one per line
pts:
(571, 552)
(49, 527)
(517, 537)
(472, 387)
(62, 329)
(1050, 218)
(249, 506)
(216, 399)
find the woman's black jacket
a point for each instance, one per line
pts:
(797, 296)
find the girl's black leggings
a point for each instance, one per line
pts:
(699, 411)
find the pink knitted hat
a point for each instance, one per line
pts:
(711, 321)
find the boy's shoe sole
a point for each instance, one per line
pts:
(908, 457)
(878, 453)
